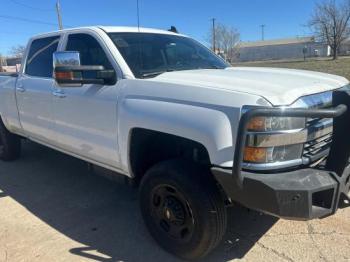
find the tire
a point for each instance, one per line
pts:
(10, 144)
(183, 208)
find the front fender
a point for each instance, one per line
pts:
(211, 126)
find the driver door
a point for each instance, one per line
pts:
(86, 116)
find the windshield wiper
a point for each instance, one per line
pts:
(214, 67)
(153, 74)
(156, 73)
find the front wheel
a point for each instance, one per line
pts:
(183, 208)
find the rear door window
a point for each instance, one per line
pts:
(39, 61)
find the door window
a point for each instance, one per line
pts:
(91, 52)
(39, 61)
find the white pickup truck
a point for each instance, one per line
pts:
(193, 132)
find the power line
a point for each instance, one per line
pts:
(14, 32)
(27, 20)
(11, 31)
(32, 7)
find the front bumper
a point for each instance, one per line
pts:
(301, 194)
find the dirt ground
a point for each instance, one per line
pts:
(52, 208)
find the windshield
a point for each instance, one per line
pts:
(149, 54)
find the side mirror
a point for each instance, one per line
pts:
(68, 71)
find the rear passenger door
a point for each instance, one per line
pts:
(34, 90)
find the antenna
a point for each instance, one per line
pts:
(213, 34)
(173, 29)
(138, 15)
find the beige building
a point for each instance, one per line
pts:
(279, 49)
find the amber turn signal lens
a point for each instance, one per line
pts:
(64, 75)
(257, 124)
(255, 154)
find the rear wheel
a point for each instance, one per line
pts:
(183, 208)
(10, 144)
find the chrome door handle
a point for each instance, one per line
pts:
(59, 94)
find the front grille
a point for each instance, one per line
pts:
(312, 121)
(317, 148)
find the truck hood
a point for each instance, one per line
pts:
(278, 86)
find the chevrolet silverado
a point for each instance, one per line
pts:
(194, 133)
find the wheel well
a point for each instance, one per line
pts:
(148, 147)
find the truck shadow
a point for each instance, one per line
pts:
(101, 215)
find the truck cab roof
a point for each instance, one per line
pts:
(111, 29)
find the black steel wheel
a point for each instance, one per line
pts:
(172, 211)
(183, 208)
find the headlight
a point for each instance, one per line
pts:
(272, 154)
(274, 139)
(276, 123)
(283, 142)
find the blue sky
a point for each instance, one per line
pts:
(283, 18)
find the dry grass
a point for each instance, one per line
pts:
(338, 67)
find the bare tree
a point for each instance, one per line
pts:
(330, 22)
(18, 51)
(226, 40)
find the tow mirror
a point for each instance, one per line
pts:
(68, 71)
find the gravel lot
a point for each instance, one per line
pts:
(52, 208)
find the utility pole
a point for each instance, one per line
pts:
(214, 34)
(263, 32)
(59, 17)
